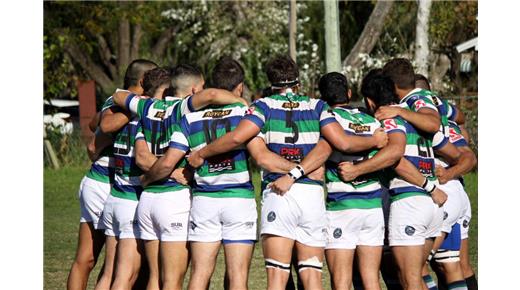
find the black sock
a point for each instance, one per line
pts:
(472, 283)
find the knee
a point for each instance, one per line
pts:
(85, 262)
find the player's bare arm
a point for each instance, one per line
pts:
(113, 119)
(94, 122)
(465, 164)
(386, 157)
(267, 159)
(97, 144)
(313, 161)
(425, 119)
(450, 153)
(351, 143)
(409, 172)
(216, 97)
(163, 167)
(143, 157)
(243, 132)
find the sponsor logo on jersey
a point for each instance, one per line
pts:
(290, 105)
(390, 124)
(409, 230)
(216, 114)
(419, 104)
(271, 216)
(426, 167)
(250, 110)
(160, 114)
(249, 224)
(292, 154)
(337, 233)
(220, 163)
(358, 128)
(454, 136)
(435, 101)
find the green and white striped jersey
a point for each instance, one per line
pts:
(365, 191)
(224, 175)
(158, 119)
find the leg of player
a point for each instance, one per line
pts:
(238, 260)
(340, 263)
(90, 243)
(369, 258)
(410, 260)
(203, 259)
(310, 262)
(128, 262)
(277, 253)
(467, 270)
(152, 257)
(105, 277)
(429, 245)
(174, 263)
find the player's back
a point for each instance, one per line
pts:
(290, 126)
(365, 191)
(224, 175)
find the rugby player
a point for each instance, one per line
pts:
(291, 124)
(414, 216)
(95, 188)
(354, 213)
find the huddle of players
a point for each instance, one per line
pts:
(299, 143)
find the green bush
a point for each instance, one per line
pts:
(70, 149)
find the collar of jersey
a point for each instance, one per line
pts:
(409, 94)
(170, 98)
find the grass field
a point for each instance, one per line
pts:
(61, 217)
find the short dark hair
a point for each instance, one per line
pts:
(282, 70)
(379, 88)
(155, 78)
(400, 70)
(227, 74)
(419, 78)
(135, 71)
(334, 88)
(183, 75)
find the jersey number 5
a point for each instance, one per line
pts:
(289, 123)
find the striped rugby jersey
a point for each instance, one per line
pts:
(291, 127)
(126, 180)
(102, 169)
(223, 175)
(157, 119)
(365, 191)
(418, 151)
(455, 138)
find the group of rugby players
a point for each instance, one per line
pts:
(370, 189)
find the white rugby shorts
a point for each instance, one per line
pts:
(119, 218)
(454, 205)
(351, 227)
(299, 214)
(466, 217)
(414, 219)
(215, 219)
(164, 216)
(92, 195)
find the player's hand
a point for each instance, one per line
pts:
(281, 185)
(182, 175)
(380, 137)
(387, 112)
(442, 174)
(439, 197)
(195, 160)
(347, 171)
(317, 174)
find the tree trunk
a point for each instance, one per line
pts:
(332, 44)
(106, 55)
(160, 45)
(292, 29)
(123, 56)
(92, 69)
(370, 34)
(136, 41)
(422, 50)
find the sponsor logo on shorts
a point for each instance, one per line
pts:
(445, 215)
(176, 226)
(337, 233)
(193, 225)
(465, 223)
(249, 224)
(271, 216)
(409, 230)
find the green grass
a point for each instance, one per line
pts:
(61, 218)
